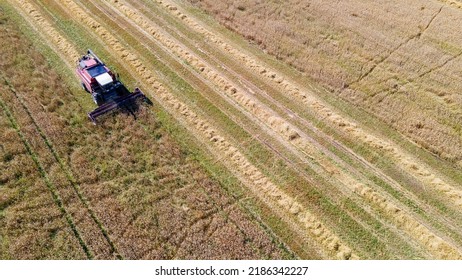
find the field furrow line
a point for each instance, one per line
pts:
(61, 46)
(395, 49)
(184, 36)
(54, 193)
(406, 161)
(421, 233)
(249, 173)
(66, 171)
(249, 80)
(243, 125)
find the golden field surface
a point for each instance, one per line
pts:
(398, 60)
(278, 130)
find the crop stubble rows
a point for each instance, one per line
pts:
(243, 168)
(134, 245)
(407, 53)
(404, 220)
(406, 161)
(383, 205)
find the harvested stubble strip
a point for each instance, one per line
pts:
(59, 41)
(285, 129)
(253, 178)
(407, 162)
(263, 113)
(403, 220)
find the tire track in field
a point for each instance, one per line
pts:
(71, 175)
(216, 208)
(252, 177)
(66, 171)
(53, 190)
(88, 230)
(403, 220)
(265, 143)
(394, 50)
(63, 46)
(406, 161)
(290, 163)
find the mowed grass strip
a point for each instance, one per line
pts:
(184, 17)
(106, 200)
(142, 71)
(101, 15)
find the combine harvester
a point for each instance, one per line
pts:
(105, 88)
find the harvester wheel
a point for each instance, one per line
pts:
(84, 87)
(97, 99)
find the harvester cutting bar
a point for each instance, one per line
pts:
(114, 104)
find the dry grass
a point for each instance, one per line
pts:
(127, 189)
(259, 184)
(135, 179)
(402, 220)
(397, 60)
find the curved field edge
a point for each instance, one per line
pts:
(215, 171)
